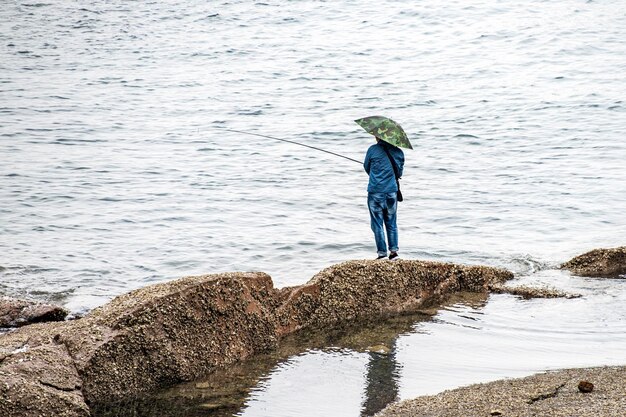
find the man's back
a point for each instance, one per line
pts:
(379, 168)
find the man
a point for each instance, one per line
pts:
(382, 194)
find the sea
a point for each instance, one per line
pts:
(119, 169)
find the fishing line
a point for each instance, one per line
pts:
(291, 141)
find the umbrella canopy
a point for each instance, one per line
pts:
(385, 129)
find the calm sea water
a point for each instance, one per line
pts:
(115, 173)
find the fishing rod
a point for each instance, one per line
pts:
(291, 141)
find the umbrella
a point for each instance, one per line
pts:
(385, 129)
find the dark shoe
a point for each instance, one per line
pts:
(393, 256)
(381, 257)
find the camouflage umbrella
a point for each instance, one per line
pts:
(385, 129)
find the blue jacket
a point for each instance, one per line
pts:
(378, 166)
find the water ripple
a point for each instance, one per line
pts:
(115, 173)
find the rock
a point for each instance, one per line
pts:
(553, 394)
(180, 330)
(15, 312)
(585, 386)
(155, 336)
(173, 332)
(359, 290)
(609, 263)
(38, 378)
(380, 349)
(531, 292)
(223, 405)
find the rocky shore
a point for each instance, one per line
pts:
(550, 394)
(176, 331)
(610, 263)
(17, 313)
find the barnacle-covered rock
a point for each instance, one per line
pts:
(179, 330)
(15, 312)
(148, 338)
(553, 393)
(599, 263)
(357, 290)
(38, 376)
(527, 292)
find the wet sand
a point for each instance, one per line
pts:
(552, 393)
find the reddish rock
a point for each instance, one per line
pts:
(173, 332)
(585, 386)
(179, 330)
(16, 313)
(38, 376)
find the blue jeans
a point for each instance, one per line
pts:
(383, 207)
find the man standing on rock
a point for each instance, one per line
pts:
(384, 163)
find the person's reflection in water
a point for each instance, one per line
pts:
(382, 382)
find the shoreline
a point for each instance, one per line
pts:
(177, 331)
(156, 336)
(551, 393)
